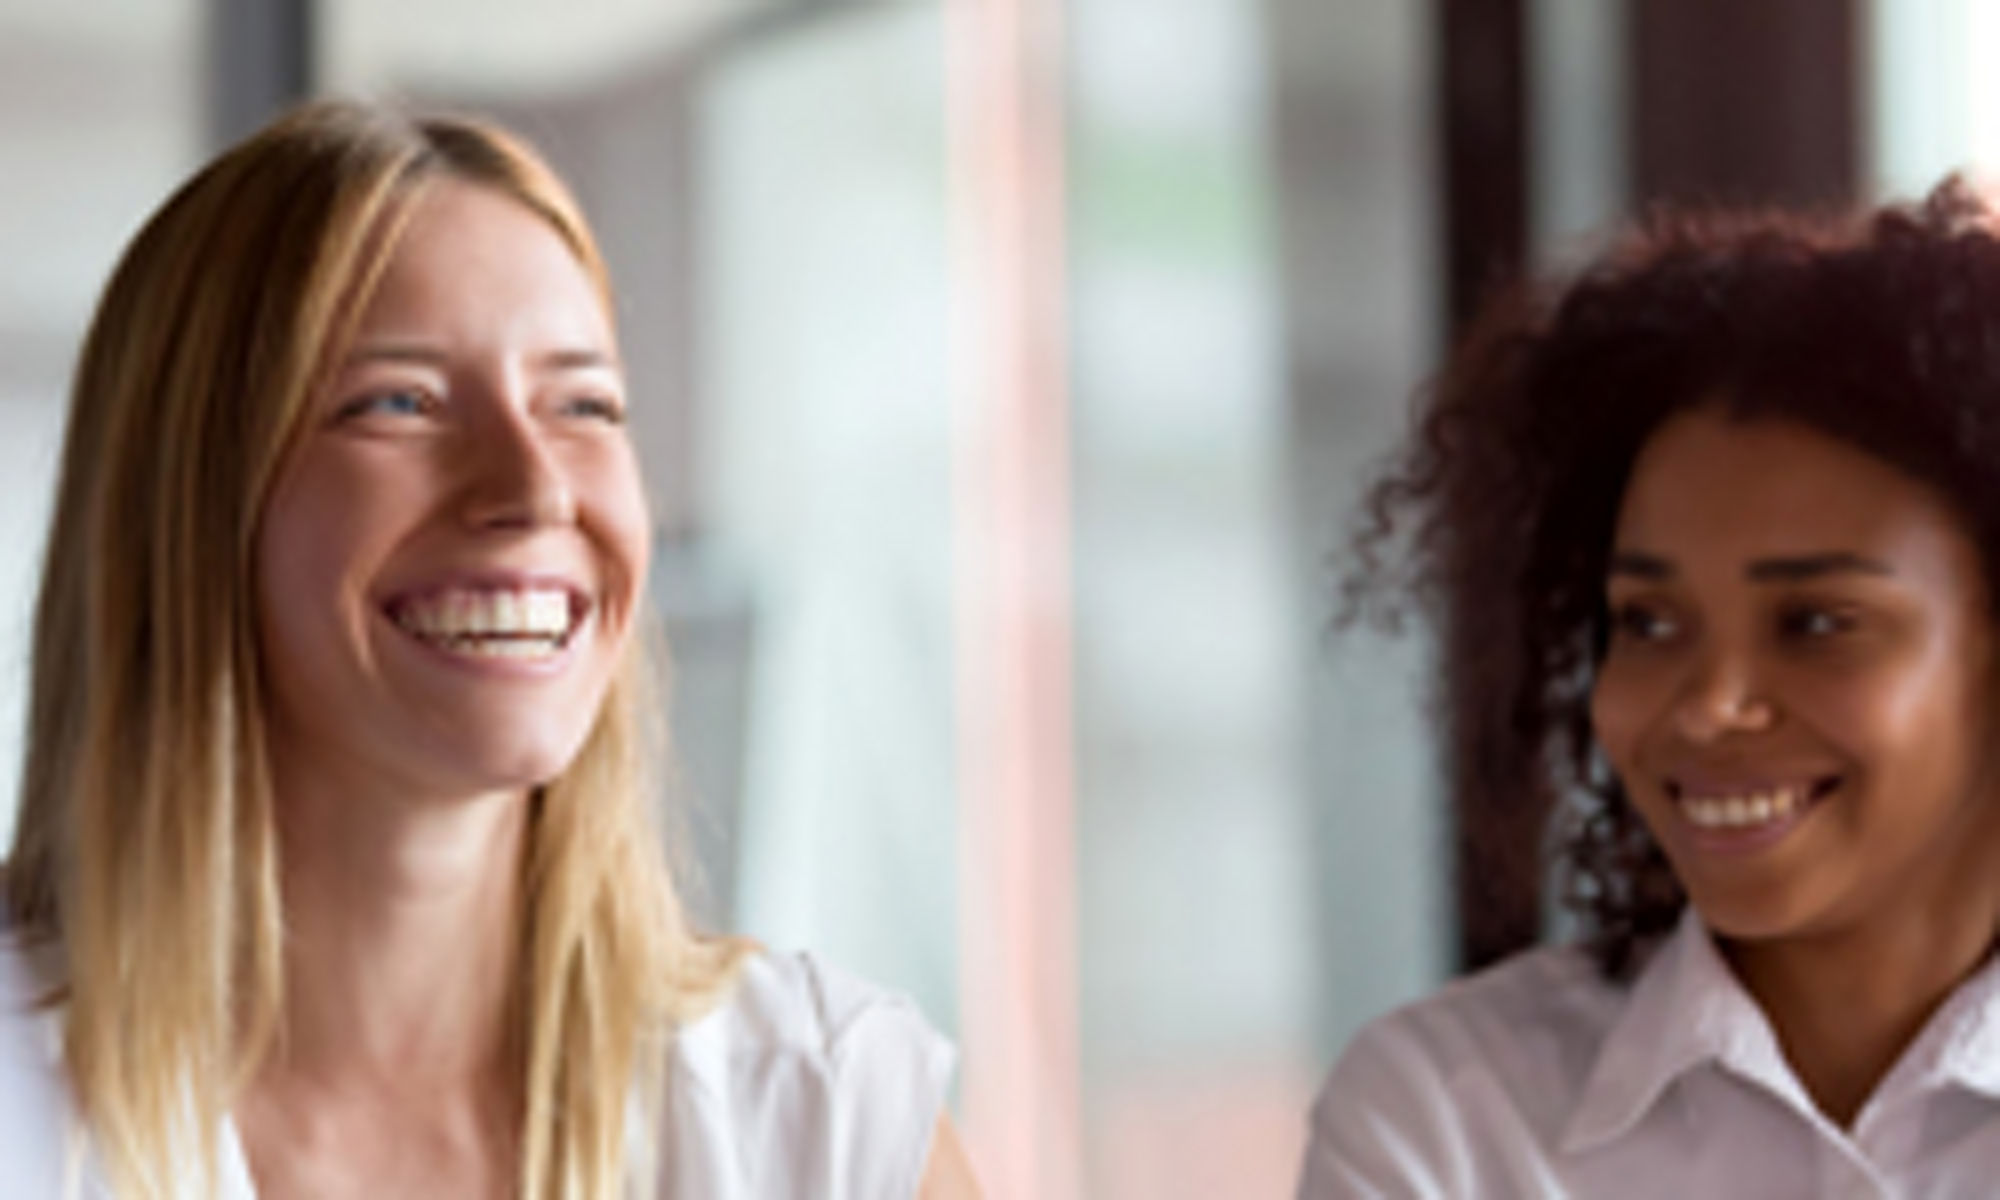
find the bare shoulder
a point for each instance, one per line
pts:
(948, 1173)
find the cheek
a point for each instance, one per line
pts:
(1910, 721)
(292, 526)
(317, 539)
(292, 631)
(309, 536)
(617, 498)
(1924, 721)
(1621, 706)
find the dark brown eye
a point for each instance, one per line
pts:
(1641, 623)
(1812, 621)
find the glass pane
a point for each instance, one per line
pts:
(1934, 99)
(1257, 863)
(825, 480)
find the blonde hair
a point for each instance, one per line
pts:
(145, 856)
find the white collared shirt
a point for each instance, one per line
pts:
(1537, 1078)
(806, 1084)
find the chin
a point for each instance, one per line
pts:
(1765, 917)
(517, 760)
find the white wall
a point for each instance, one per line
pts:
(99, 118)
(29, 429)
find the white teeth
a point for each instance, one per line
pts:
(513, 624)
(512, 647)
(1740, 811)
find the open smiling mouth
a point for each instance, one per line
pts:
(510, 623)
(1750, 808)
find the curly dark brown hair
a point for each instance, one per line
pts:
(1881, 329)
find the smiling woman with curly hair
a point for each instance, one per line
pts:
(1713, 530)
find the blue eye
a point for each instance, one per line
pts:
(598, 408)
(405, 403)
(394, 402)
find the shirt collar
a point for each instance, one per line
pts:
(1960, 1044)
(1685, 1009)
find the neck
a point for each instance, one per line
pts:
(402, 946)
(1846, 1004)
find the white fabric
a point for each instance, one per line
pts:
(1539, 1079)
(807, 1084)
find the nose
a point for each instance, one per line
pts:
(516, 479)
(1722, 696)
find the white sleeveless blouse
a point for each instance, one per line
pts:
(805, 1083)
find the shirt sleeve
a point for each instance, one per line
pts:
(888, 1075)
(1385, 1124)
(807, 1084)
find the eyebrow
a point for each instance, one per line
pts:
(1788, 569)
(580, 358)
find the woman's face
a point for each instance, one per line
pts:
(1796, 693)
(450, 559)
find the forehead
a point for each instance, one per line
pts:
(1707, 486)
(472, 261)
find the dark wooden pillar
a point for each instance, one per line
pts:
(1745, 101)
(1483, 115)
(1482, 85)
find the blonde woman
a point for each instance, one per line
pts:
(333, 873)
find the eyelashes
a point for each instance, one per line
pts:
(1641, 622)
(398, 404)
(388, 402)
(1814, 621)
(596, 407)
(1800, 622)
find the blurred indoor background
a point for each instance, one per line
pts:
(1006, 371)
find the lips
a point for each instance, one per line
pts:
(1726, 807)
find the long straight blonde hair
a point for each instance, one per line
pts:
(145, 858)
